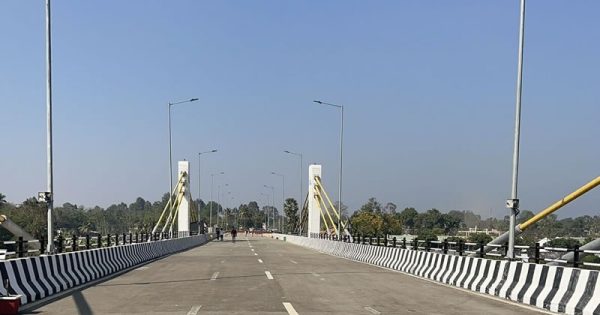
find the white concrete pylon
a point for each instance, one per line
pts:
(314, 212)
(183, 211)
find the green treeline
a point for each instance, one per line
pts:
(136, 217)
(374, 219)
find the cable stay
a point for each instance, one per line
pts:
(171, 209)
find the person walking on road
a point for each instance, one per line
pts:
(233, 234)
(218, 233)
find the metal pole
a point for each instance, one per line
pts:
(341, 107)
(341, 172)
(300, 202)
(170, 154)
(50, 188)
(282, 202)
(514, 202)
(218, 202)
(199, 198)
(212, 183)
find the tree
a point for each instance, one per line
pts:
(343, 207)
(390, 207)
(371, 206)
(2, 199)
(407, 217)
(391, 224)
(290, 208)
(367, 223)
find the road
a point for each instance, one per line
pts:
(265, 276)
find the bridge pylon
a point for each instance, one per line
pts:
(314, 211)
(183, 209)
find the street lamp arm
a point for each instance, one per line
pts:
(181, 102)
(329, 104)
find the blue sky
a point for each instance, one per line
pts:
(428, 89)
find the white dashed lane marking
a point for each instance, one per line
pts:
(293, 262)
(372, 310)
(194, 310)
(260, 261)
(289, 308)
(269, 275)
(214, 276)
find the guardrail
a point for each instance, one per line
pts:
(26, 248)
(532, 254)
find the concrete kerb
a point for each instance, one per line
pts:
(451, 277)
(102, 278)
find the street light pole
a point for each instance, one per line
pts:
(212, 184)
(282, 196)
(199, 171)
(50, 183)
(300, 204)
(266, 212)
(341, 107)
(272, 205)
(513, 203)
(170, 146)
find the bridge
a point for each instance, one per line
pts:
(181, 268)
(263, 275)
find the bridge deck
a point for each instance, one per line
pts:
(226, 278)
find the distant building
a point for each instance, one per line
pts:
(467, 233)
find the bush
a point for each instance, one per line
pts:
(563, 243)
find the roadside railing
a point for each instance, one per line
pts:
(532, 254)
(25, 248)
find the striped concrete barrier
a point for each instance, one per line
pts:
(554, 288)
(35, 278)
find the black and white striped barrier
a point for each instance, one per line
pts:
(558, 289)
(35, 278)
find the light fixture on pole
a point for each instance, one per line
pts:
(300, 202)
(170, 147)
(341, 107)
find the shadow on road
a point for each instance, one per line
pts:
(261, 275)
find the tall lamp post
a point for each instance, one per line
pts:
(170, 146)
(212, 184)
(341, 107)
(48, 195)
(199, 172)
(513, 202)
(272, 205)
(266, 212)
(282, 196)
(301, 175)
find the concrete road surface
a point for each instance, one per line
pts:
(265, 276)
